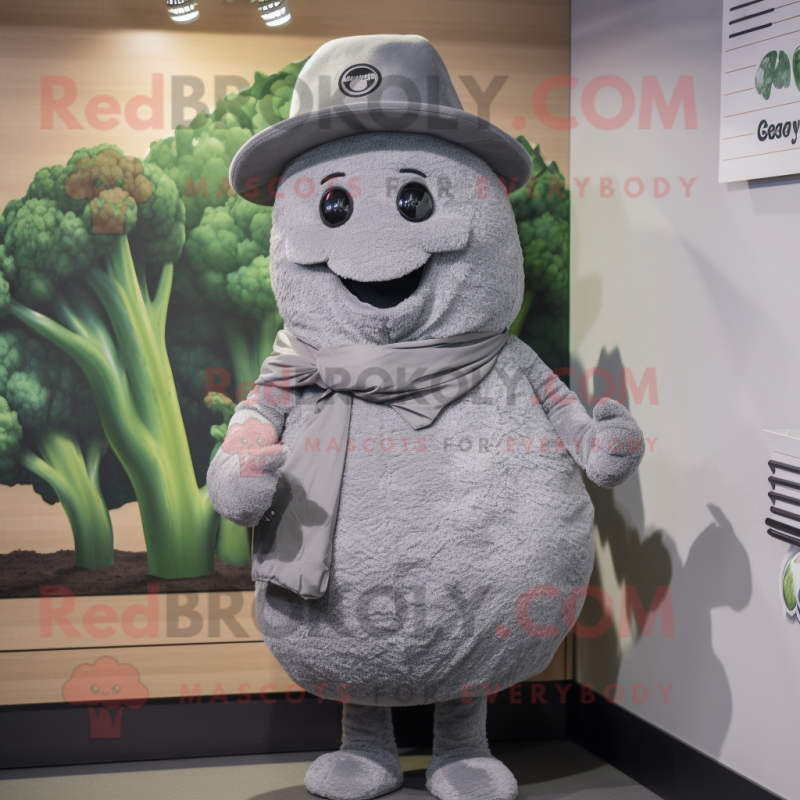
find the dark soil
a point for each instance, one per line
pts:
(23, 572)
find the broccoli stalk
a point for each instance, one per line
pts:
(233, 541)
(194, 345)
(131, 379)
(225, 266)
(75, 478)
(222, 256)
(105, 319)
(249, 343)
(46, 411)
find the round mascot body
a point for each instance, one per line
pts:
(440, 531)
(425, 526)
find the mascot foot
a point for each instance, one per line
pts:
(462, 768)
(354, 775)
(367, 766)
(479, 777)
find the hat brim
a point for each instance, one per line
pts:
(258, 165)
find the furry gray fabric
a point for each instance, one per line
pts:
(440, 534)
(462, 768)
(473, 281)
(294, 547)
(368, 764)
(456, 546)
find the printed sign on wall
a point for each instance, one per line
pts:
(760, 107)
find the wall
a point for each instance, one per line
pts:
(704, 290)
(121, 62)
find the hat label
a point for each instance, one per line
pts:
(359, 80)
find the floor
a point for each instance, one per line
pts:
(547, 770)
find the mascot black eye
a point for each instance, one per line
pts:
(336, 207)
(414, 202)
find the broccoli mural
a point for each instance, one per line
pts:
(85, 291)
(125, 283)
(49, 431)
(227, 304)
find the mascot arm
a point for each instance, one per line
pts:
(609, 445)
(243, 474)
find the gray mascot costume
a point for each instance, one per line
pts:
(414, 470)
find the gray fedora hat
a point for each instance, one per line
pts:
(364, 84)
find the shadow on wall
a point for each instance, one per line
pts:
(716, 573)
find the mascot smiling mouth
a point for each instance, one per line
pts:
(385, 294)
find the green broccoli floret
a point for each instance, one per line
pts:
(107, 193)
(47, 184)
(227, 241)
(160, 232)
(254, 221)
(8, 216)
(10, 438)
(37, 248)
(212, 250)
(226, 253)
(545, 249)
(198, 156)
(8, 273)
(250, 288)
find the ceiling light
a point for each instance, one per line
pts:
(275, 12)
(183, 11)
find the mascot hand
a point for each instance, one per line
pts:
(617, 445)
(244, 473)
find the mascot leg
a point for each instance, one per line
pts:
(367, 765)
(462, 768)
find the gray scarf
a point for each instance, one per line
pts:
(294, 542)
